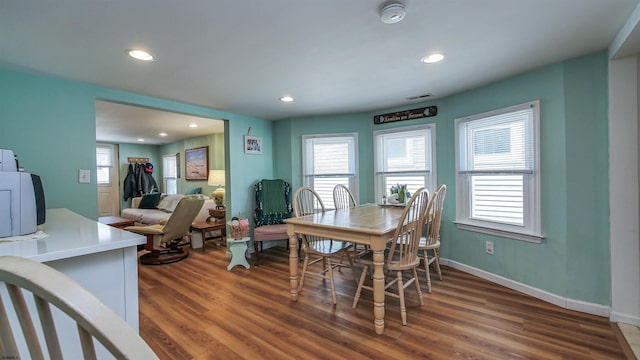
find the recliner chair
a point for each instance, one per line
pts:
(163, 240)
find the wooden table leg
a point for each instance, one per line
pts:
(293, 265)
(378, 291)
(203, 239)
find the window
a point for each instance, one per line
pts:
(405, 156)
(170, 174)
(104, 162)
(498, 172)
(328, 160)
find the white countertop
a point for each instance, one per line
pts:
(70, 235)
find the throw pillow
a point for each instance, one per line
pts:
(149, 201)
(194, 190)
(169, 202)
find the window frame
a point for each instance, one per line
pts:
(109, 167)
(531, 230)
(308, 177)
(431, 180)
(165, 187)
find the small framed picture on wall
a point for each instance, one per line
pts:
(252, 144)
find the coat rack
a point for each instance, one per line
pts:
(133, 160)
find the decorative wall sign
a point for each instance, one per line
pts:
(406, 115)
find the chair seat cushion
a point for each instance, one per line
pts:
(270, 232)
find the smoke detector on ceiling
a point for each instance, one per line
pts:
(392, 13)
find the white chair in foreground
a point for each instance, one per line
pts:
(94, 319)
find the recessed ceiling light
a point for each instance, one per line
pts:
(286, 99)
(140, 140)
(163, 134)
(193, 125)
(139, 54)
(432, 58)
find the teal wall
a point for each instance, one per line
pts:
(587, 171)
(50, 124)
(573, 260)
(289, 159)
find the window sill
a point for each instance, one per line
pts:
(537, 239)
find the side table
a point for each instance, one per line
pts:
(205, 227)
(116, 221)
(238, 248)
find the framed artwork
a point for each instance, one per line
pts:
(252, 144)
(196, 163)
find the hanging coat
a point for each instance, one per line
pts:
(148, 183)
(129, 185)
(139, 170)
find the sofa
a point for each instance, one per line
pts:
(158, 214)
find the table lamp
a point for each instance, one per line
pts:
(216, 178)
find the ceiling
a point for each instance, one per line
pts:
(332, 56)
(121, 123)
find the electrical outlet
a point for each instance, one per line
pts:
(489, 247)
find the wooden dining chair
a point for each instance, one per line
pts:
(94, 320)
(403, 253)
(306, 202)
(343, 198)
(431, 241)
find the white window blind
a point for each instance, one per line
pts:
(497, 170)
(405, 156)
(170, 174)
(329, 160)
(104, 162)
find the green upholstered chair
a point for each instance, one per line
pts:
(163, 240)
(273, 206)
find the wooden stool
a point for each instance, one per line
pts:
(238, 248)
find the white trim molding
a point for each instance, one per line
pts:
(563, 302)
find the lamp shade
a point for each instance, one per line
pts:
(216, 178)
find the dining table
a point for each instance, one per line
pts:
(368, 224)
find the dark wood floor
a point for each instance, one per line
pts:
(196, 309)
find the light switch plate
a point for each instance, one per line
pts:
(84, 177)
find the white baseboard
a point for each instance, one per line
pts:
(624, 318)
(571, 304)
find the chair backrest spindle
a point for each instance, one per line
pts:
(343, 198)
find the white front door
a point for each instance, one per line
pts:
(108, 180)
